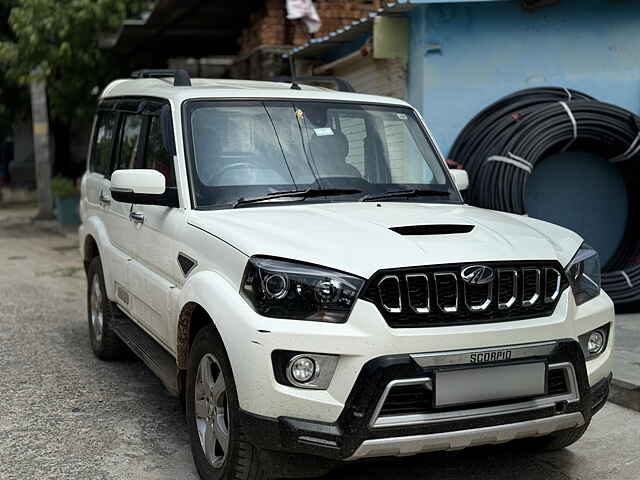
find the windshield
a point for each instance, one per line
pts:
(247, 149)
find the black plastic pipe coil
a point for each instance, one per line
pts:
(502, 144)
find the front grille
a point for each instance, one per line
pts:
(418, 398)
(461, 294)
(407, 399)
(557, 382)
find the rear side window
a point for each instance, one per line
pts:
(130, 141)
(105, 129)
(156, 156)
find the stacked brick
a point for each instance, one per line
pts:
(269, 25)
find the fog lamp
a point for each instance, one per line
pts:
(596, 342)
(302, 369)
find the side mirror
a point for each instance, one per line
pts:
(142, 187)
(460, 178)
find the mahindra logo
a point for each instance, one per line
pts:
(477, 274)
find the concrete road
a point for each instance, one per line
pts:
(66, 415)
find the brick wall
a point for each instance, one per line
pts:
(269, 25)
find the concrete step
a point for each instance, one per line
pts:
(625, 387)
(625, 394)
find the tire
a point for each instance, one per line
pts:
(217, 404)
(101, 312)
(558, 440)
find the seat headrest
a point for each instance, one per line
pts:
(336, 145)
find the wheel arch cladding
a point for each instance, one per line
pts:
(193, 317)
(204, 300)
(91, 251)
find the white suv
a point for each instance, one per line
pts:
(299, 266)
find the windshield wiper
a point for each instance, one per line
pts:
(298, 194)
(413, 192)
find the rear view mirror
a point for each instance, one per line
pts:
(143, 187)
(460, 178)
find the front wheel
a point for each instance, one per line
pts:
(219, 447)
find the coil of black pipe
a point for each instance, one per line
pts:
(503, 143)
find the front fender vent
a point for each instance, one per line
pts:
(186, 263)
(431, 229)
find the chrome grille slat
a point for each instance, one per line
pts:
(414, 279)
(489, 292)
(548, 273)
(386, 302)
(440, 278)
(468, 297)
(535, 296)
(502, 274)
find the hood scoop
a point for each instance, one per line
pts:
(432, 229)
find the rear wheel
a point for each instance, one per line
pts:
(219, 446)
(101, 312)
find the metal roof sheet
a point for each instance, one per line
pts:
(318, 46)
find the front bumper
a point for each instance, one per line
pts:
(354, 436)
(366, 337)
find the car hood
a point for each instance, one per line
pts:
(356, 237)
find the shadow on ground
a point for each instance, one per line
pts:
(491, 463)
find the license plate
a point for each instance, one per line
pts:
(474, 385)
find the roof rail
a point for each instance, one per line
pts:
(341, 84)
(180, 76)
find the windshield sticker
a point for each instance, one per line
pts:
(323, 132)
(299, 114)
(401, 116)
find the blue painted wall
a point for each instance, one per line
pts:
(489, 49)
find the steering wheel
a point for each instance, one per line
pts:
(233, 166)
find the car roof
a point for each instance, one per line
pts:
(232, 89)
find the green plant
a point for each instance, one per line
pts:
(61, 39)
(63, 187)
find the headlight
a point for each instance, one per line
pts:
(584, 274)
(283, 289)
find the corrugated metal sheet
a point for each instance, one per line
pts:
(317, 47)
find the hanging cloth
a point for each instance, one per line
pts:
(304, 10)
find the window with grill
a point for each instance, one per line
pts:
(403, 154)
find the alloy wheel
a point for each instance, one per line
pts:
(212, 411)
(97, 313)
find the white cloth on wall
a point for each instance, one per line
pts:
(305, 10)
